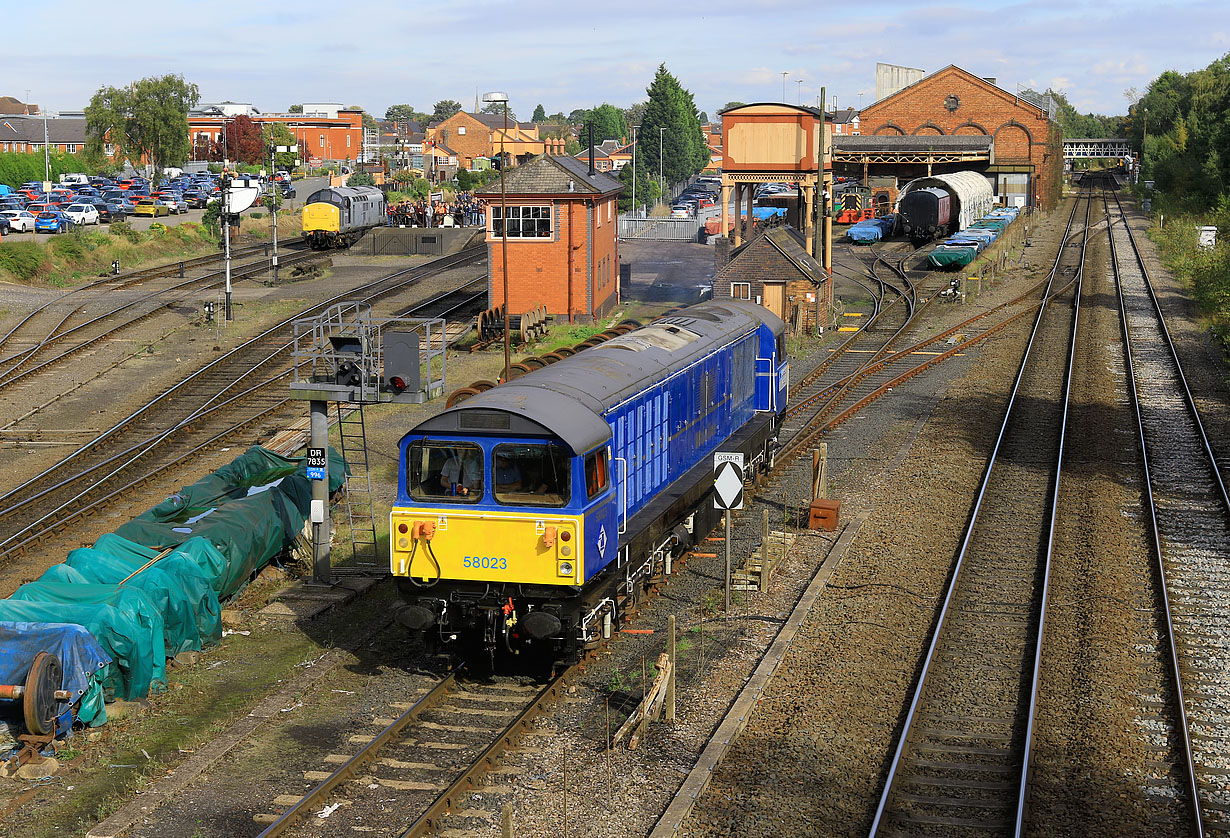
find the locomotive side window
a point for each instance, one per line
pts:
(445, 471)
(595, 474)
(531, 475)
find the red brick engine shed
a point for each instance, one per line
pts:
(1026, 154)
(563, 244)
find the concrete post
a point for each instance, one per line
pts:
(824, 470)
(764, 550)
(809, 222)
(670, 684)
(322, 571)
(506, 829)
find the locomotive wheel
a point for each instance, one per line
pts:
(482, 385)
(39, 703)
(588, 342)
(564, 351)
(552, 357)
(460, 395)
(533, 362)
(516, 371)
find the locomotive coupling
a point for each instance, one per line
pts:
(548, 537)
(425, 530)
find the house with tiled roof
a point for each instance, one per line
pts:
(26, 134)
(474, 135)
(603, 161)
(562, 241)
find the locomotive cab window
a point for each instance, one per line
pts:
(531, 475)
(595, 474)
(445, 471)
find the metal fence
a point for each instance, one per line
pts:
(659, 229)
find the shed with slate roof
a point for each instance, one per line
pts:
(563, 246)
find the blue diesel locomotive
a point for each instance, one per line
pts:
(532, 515)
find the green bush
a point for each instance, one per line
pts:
(158, 229)
(124, 230)
(256, 215)
(361, 179)
(22, 259)
(70, 245)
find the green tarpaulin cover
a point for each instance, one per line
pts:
(176, 562)
(956, 257)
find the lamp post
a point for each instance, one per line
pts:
(798, 100)
(784, 74)
(634, 211)
(498, 96)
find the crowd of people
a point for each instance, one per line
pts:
(463, 211)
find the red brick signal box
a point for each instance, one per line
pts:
(563, 243)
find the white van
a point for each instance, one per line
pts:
(74, 179)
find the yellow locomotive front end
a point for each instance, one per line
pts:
(321, 224)
(486, 546)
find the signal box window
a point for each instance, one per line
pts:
(596, 474)
(445, 471)
(531, 475)
(523, 222)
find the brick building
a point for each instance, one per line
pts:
(775, 270)
(474, 135)
(563, 245)
(324, 131)
(1027, 146)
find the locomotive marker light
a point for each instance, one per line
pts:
(727, 495)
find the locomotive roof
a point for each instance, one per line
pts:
(331, 194)
(567, 399)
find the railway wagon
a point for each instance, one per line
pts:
(338, 215)
(530, 516)
(936, 206)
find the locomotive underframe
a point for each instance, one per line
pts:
(480, 619)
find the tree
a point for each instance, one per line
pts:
(147, 119)
(633, 114)
(243, 140)
(276, 134)
(703, 117)
(671, 119)
(295, 109)
(730, 105)
(646, 187)
(400, 113)
(369, 121)
(361, 179)
(540, 114)
(444, 109)
(577, 116)
(608, 122)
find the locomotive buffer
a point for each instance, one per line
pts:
(727, 495)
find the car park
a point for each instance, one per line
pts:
(150, 207)
(52, 221)
(82, 214)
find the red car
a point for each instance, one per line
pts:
(35, 209)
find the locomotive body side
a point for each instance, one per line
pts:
(338, 216)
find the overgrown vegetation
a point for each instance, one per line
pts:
(18, 167)
(1205, 272)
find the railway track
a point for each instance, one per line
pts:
(960, 765)
(239, 390)
(434, 755)
(90, 332)
(49, 319)
(1188, 523)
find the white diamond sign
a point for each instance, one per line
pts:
(727, 481)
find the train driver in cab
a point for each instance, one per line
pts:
(462, 474)
(508, 477)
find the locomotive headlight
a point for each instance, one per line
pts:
(565, 568)
(403, 544)
(565, 550)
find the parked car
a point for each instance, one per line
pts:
(196, 198)
(114, 211)
(680, 211)
(40, 206)
(150, 207)
(82, 214)
(52, 221)
(286, 190)
(4, 227)
(19, 220)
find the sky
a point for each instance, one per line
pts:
(578, 55)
